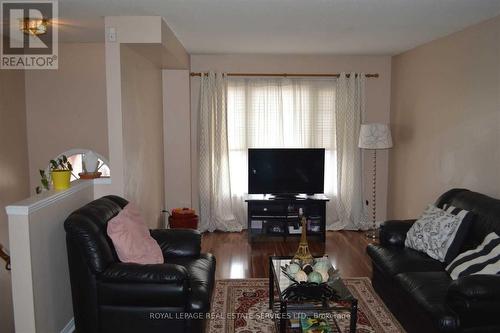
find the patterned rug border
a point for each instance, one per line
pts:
(350, 280)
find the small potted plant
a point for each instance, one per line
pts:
(60, 173)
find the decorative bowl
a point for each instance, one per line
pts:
(333, 274)
(89, 175)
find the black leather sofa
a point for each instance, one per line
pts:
(110, 296)
(419, 291)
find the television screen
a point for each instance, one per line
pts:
(286, 171)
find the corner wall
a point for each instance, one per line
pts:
(445, 115)
(14, 182)
(142, 112)
(134, 106)
(66, 108)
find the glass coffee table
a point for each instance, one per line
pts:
(286, 309)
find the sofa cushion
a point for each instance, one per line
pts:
(393, 260)
(485, 259)
(485, 209)
(429, 290)
(131, 294)
(131, 238)
(201, 276)
(439, 233)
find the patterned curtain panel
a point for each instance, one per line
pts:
(349, 110)
(216, 210)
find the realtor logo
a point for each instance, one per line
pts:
(29, 35)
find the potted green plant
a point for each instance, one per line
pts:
(60, 174)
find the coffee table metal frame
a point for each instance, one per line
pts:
(283, 308)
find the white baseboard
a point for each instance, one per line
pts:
(70, 327)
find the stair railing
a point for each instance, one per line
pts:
(5, 256)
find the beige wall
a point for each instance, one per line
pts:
(14, 183)
(142, 112)
(177, 135)
(377, 97)
(162, 48)
(66, 108)
(445, 115)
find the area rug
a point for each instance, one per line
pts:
(241, 306)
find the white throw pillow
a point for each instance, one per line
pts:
(439, 233)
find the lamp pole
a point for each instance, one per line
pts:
(373, 233)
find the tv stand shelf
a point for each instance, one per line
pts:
(271, 216)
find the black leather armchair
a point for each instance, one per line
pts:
(417, 288)
(111, 296)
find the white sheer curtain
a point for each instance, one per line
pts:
(273, 113)
(280, 112)
(216, 211)
(349, 110)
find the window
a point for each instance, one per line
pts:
(75, 157)
(274, 113)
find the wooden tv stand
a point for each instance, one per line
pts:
(270, 216)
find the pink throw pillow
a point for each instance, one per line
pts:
(131, 238)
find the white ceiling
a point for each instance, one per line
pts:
(287, 26)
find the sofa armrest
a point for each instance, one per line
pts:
(178, 242)
(394, 232)
(137, 273)
(476, 298)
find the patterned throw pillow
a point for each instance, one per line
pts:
(462, 231)
(485, 259)
(439, 233)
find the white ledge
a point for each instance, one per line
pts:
(102, 180)
(44, 199)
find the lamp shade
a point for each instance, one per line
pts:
(375, 136)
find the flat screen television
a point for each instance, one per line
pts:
(286, 171)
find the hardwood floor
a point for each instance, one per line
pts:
(238, 259)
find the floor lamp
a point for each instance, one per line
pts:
(374, 136)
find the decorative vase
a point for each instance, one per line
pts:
(61, 179)
(90, 162)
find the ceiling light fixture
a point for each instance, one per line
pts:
(34, 26)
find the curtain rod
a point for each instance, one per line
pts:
(374, 75)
